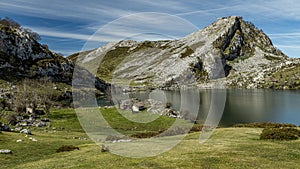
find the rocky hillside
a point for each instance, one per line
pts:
(21, 55)
(230, 51)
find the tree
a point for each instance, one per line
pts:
(33, 94)
(35, 36)
(9, 22)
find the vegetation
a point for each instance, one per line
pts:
(265, 125)
(32, 94)
(111, 61)
(188, 51)
(66, 148)
(286, 78)
(227, 148)
(198, 70)
(140, 130)
(280, 134)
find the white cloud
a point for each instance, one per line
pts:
(56, 9)
(286, 35)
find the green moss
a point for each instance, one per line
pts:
(271, 57)
(199, 71)
(66, 148)
(287, 77)
(111, 61)
(188, 51)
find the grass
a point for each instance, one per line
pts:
(227, 148)
(154, 125)
(286, 78)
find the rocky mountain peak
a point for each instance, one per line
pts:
(230, 47)
(21, 55)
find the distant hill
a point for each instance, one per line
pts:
(245, 55)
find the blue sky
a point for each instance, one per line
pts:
(66, 25)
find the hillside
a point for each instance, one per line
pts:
(231, 52)
(21, 55)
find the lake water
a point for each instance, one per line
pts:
(241, 105)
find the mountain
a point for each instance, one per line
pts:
(22, 56)
(230, 52)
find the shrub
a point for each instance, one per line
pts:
(11, 118)
(196, 128)
(175, 131)
(265, 125)
(280, 134)
(66, 148)
(145, 134)
(104, 148)
(168, 105)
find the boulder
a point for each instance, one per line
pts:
(5, 128)
(135, 109)
(45, 120)
(26, 131)
(40, 124)
(32, 139)
(126, 104)
(156, 107)
(5, 151)
(18, 129)
(138, 106)
(39, 112)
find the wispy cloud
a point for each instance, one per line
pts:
(209, 11)
(60, 34)
(56, 9)
(130, 26)
(289, 46)
(93, 15)
(286, 35)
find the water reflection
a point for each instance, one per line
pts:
(242, 105)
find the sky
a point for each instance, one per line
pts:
(66, 25)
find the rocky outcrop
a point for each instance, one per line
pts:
(21, 55)
(151, 105)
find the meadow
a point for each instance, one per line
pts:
(227, 148)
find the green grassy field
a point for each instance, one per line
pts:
(227, 148)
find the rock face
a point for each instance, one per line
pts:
(21, 55)
(230, 47)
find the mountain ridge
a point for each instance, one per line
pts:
(22, 56)
(231, 51)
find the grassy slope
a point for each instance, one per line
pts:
(228, 148)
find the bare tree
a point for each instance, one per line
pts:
(33, 94)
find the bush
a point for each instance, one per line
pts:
(265, 125)
(168, 105)
(11, 118)
(196, 128)
(145, 134)
(4, 105)
(175, 131)
(66, 148)
(280, 134)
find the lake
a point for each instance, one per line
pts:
(240, 105)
